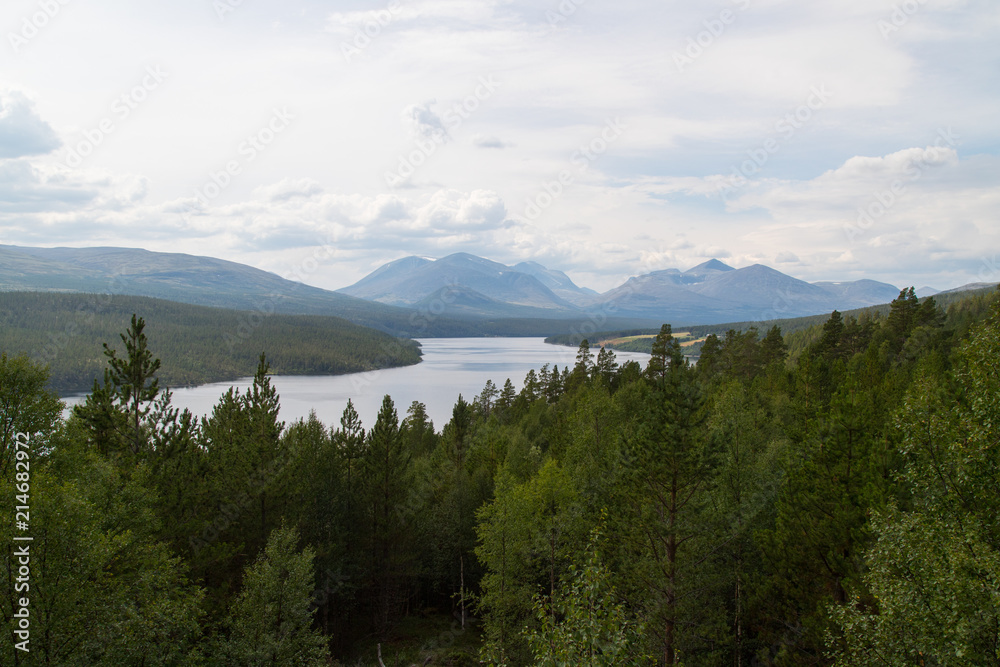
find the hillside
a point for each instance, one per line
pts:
(197, 344)
(203, 281)
(798, 331)
(458, 295)
(207, 281)
(874, 450)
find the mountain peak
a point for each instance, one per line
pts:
(710, 266)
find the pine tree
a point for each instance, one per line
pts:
(606, 368)
(115, 412)
(830, 344)
(668, 482)
(584, 366)
(710, 358)
(418, 430)
(773, 346)
(386, 475)
(661, 355)
(133, 379)
(505, 403)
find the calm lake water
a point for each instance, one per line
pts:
(450, 366)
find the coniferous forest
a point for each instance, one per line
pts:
(198, 344)
(835, 506)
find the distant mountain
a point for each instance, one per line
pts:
(709, 268)
(861, 293)
(970, 287)
(460, 294)
(663, 295)
(207, 281)
(710, 293)
(921, 292)
(203, 281)
(714, 292)
(469, 285)
(557, 281)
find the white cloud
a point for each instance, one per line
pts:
(289, 188)
(22, 130)
(649, 201)
(786, 258)
(480, 141)
(424, 122)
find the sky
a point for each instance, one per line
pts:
(318, 140)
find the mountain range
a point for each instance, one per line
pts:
(710, 293)
(460, 294)
(207, 281)
(470, 285)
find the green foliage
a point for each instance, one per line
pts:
(25, 407)
(385, 476)
(270, 622)
(584, 623)
(103, 590)
(197, 344)
(829, 496)
(504, 550)
(935, 562)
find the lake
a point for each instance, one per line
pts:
(450, 366)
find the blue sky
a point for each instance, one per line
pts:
(833, 141)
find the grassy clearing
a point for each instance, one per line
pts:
(683, 336)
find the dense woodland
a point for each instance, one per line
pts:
(841, 508)
(197, 344)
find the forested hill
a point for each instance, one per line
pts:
(799, 332)
(197, 344)
(835, 510)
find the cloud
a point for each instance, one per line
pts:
(479, 141)
(657, 185)
(786, 258)
(479, 210)
(22, 130)
(424, 122)
(289, 188)
(26, 188)
(907, 162)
